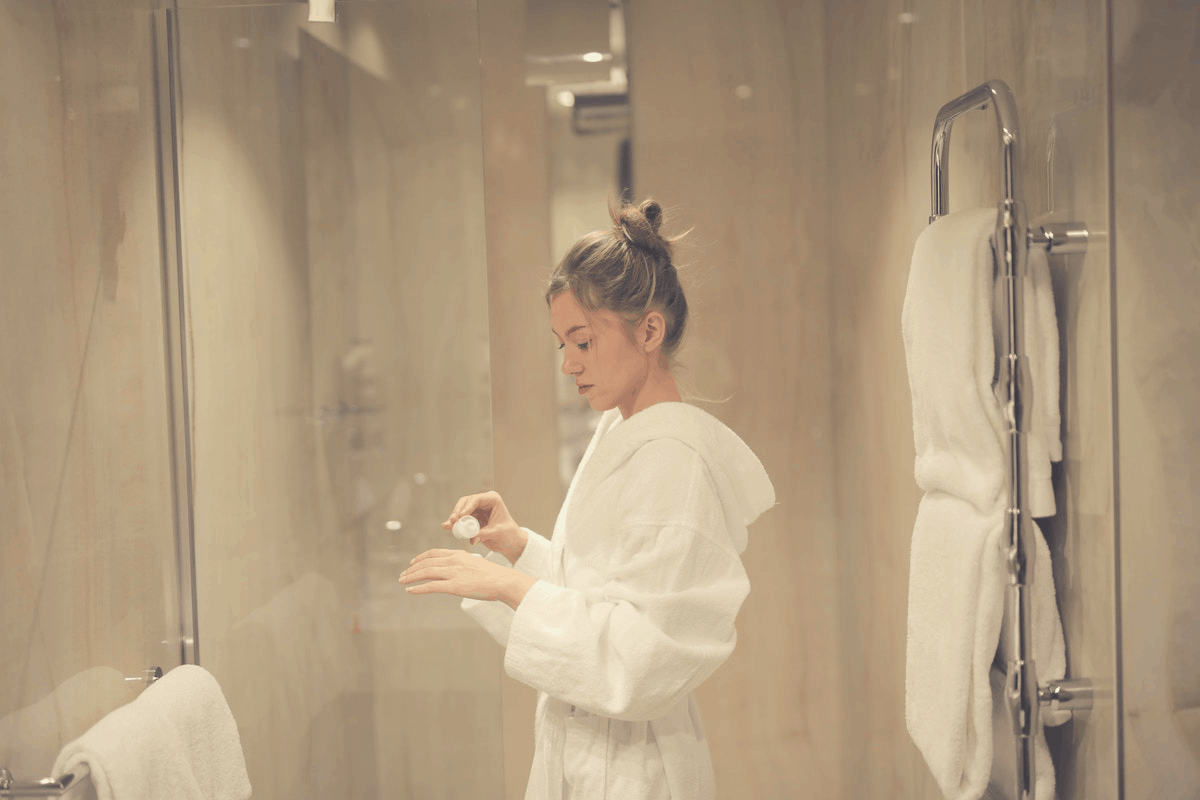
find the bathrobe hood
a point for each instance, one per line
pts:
(741, 481)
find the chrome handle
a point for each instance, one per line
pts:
(148, 675)
(1067, 695)
(1060, 238)
(51, 787)
(47, 787)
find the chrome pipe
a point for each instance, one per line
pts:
(1017, 387)
(1000, 96)
(1061, 238)
(1073, 694)
(64, 787)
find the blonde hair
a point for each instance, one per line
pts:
(626, 270)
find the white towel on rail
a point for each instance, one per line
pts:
(957, 573)
(178, 739)
(1044, 440)
(30, 735)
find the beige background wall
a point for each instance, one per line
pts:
(87, 529)
(796, 141)
(888, 76)
(518, 252)
(1156, 124)
(729, 136)
(332, 196)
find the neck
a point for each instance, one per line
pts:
(659, 387)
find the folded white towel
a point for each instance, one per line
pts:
(30, 736)
(1041, 351)
(958, 569)
(178, 739)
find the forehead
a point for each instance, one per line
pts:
(565, 310)
(566, 314)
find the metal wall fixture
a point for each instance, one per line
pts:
(68, 786)
(148, 676)
(1023, 695)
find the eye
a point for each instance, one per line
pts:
(583, 346)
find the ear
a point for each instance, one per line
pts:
(652, 330)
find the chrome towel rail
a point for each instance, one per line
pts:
(66, 786)
(47, 787)
(1023, 695)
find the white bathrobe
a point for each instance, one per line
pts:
(634, 606)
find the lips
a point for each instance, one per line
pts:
(583, 388)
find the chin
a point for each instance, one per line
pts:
(599, 404)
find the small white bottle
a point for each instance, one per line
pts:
(467, 528)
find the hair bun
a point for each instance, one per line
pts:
(639, 224)
(652, 211)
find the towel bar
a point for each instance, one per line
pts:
(149, 676)
(65, 787)
(1013, 238)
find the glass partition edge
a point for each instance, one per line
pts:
(166, 80)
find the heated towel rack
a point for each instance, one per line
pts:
(1023, 695)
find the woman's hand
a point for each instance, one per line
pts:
(497, 529)
(461, 573)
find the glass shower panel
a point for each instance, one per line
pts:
(1156, 185)
(333, 247)
(87, 521)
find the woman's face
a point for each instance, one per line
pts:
(608, 368)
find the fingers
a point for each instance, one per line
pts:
(442, 571)
(469, 504)
(464, 506)
(435, 553)
(427, 569)
(434, 559)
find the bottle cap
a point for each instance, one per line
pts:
(467, 528)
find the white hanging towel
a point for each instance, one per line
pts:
(958, 570)
(178, 739)
(1041, 349)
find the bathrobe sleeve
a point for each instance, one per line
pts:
(659, 616)
(535, 561)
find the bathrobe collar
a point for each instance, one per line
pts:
(741, 481)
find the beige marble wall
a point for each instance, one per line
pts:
(332, 196)
(728, 108)
(891, 67)
(796, 141)
(86, 515)
(1156, 124)
(518, 256)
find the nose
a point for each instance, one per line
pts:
(570, 367)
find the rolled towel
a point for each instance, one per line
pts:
(178, 739)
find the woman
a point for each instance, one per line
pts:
(630, 605)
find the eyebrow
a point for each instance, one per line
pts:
(572, 329)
